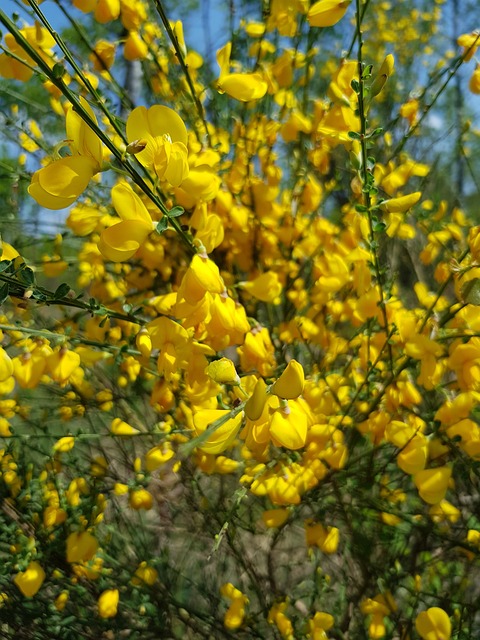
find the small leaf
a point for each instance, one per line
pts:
(61, 291)
(4, 264)
(58, 70)
(361, 208)
(355, 85)
(354, 135)
(379, 227)
(175, 212)
(27, 275)
(376, 132)
(4, 292)
(471, 292)
(162, 225)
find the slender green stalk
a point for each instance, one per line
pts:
(367, 176)
(178, 52)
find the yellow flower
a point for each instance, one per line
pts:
(120, 428)
(65, 444)
(30, 580)
(236, 612)
(223, 435)
(432, 484)
(326, 539)
(81, 547)
(121, 241)
(166, 142)
(223, 371)
(241, 86)
(60, 183)
(275, 517)
(6, 365)
(103, 55)
(288, 426)
(108, 603)
(290, 384)
(140, 499)
(107, 10)
(433, 624)
(145, 574)
(157, 456)
(13, 67)
(135, 48)
(266, 287)
(61, 364)
(256, 402)
(401, 204)
(61, 601)
(474, 84)
(326, 13)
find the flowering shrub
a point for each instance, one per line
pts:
(238, 392)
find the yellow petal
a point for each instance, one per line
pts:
(60, 183)
(326, 13)
(243, 86)
(267, 287)
(223, 371)
(290, 384)
(67, 177)
(84, 140)
(402, 204)
(433, 624)
(121, 241)
(256, 402)
(121, 428)
(157, 121)
(275, 517)
(222, 436)
(6, 365)
(432, 484)
(30, 580)
(128, 205)
(288, 427)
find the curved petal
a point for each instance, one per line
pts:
(128, 205)
(66, 178)
(46, 199)
(156, 121)
(85, 140)
(177, 167)
(122, 241)
(243, 86)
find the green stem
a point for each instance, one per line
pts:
(184, 66)
(366, 175)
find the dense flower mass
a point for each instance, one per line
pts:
(240, 382)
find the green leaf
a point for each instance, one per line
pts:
(4, 264)
(354, 135)
(471, 292)
(175, 212)
(162, 225)
(376, 132)
(58, 70)
(379, 227)
(355, 85)
(61, 291)
(4, 292)
(27, 275)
